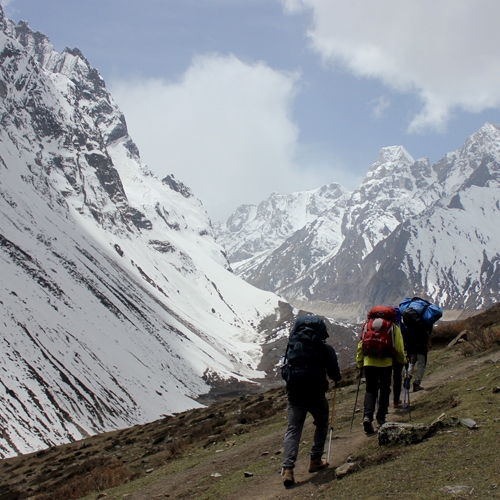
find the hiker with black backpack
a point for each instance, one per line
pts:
(419, 316)
(380, 342)
(308, 360)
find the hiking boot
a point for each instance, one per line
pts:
(288, 479)
(417, 387)
(367, 426)
(398, 404)
(380, 423)
(316, 464)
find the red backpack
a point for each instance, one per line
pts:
(378, 332)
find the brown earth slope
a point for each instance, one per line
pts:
(233, 449)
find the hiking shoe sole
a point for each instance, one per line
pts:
(317, 469)
(368, 427)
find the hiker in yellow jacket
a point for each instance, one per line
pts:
(378, 374)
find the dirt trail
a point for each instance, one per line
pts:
(258, 487)
(268, 484)
(307, 484)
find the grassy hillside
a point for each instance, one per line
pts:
(233, 449)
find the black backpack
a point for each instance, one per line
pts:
(303, 369)
(417, 330)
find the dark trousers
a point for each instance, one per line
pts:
(297, 411)
(397, 380)
(378, 386)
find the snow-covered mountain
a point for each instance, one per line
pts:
(252, 233)
(117, 305)
(409, 229)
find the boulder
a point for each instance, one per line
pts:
(345, 469)
(397, 433)
(404, 433)
(463, 335)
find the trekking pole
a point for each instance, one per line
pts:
(356, 401)
(332, 419)
(404, 394)
(407, 393)
(409, 405)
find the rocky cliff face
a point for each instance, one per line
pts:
(409, 229)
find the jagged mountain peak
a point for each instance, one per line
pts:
(394, 154)
(485, 141)
(36, 43)
(393, 162)
(472, 163)
(390, 182)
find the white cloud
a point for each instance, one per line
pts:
(445, 51)
(224, 129)
(380, 105)
(5, 3)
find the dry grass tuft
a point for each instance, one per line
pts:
(444, 333)
(480, 341)
(96, 480)
(483, 331)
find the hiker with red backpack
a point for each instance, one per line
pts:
(380, 342)
(308, 360)
(419, 316)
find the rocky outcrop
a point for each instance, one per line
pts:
(405, 433)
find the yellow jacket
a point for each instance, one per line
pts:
(362, 360)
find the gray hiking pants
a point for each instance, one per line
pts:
(421, 361)
(297, 411)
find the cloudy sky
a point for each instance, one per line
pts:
(240, 98)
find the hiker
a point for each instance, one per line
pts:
(417, 354)
(308, 360)
(380, 341)
(419, 316)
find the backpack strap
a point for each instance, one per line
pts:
(364, 329)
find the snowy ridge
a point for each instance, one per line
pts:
(117, 304)
(409, 229)
(252, 232)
